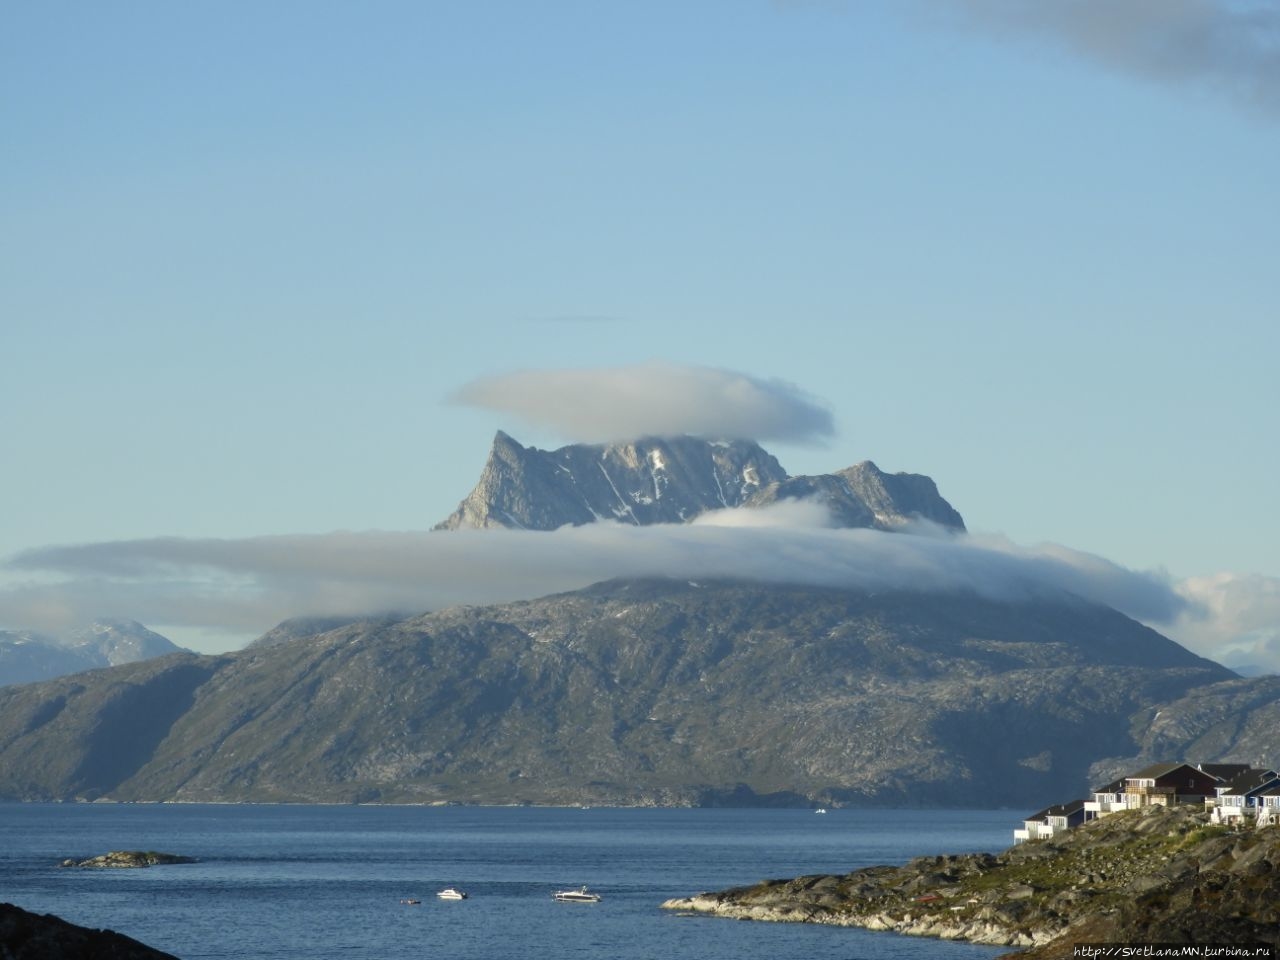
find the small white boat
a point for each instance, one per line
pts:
(450, 893)
(821, 810)
(577, 896)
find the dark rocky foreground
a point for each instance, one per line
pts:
(32, 936)
(1156, 875)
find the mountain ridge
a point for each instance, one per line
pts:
(650, 692)
(675, 480)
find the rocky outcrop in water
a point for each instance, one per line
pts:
(1155, 875)
(117, 859)
(32, 936)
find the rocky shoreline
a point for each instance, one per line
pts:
(1156, 875)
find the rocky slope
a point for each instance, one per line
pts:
(630, 692)
(1235, 721)
(673, 480)
(1156, 875)
(26, 656)
(119, 641)
(296, 627)
(865, 496)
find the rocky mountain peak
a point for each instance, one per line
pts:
(675, 479)
(643, 481)
(119, 641)
(895, 496)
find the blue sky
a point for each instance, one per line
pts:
(251, 250)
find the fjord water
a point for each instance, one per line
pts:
(310, 882)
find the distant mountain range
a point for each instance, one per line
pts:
(26, 656)
(630, 692)
(648, 691)
(675, 480)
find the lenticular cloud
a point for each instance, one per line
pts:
(653, 399)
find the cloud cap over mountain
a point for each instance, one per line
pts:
(604, 404)
(261, 580)
(243, 586)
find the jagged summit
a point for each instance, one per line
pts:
(645, 481)
(673, 480)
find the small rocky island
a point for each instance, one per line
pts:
(1159, 874)
(117, 859)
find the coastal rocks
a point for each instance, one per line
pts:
(780, 908)
(32, 936)
(771, 904)
(117, 859)
(1164, 874)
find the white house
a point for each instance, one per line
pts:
(1050, 821)
(1242, 795)
(1106, 799)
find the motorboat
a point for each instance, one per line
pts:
(451, 893)
(581, 895)
(821, 810)
(410, 901)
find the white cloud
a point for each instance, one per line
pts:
(1233, 45)
(653, 399)
(791, 514)
(243, 587)
(1232, 618)
(251, 584)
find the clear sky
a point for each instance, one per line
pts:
(1032, 249)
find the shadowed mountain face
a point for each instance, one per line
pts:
(674, 480)
(27, 657)
(650, 692)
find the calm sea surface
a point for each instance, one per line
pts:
(306, 882)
